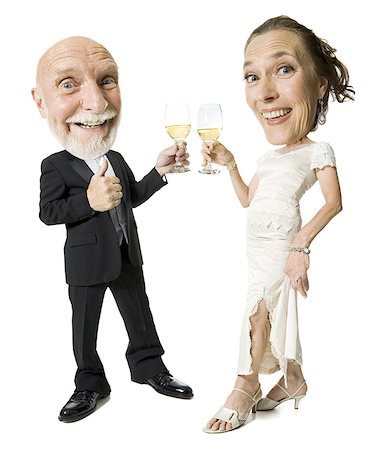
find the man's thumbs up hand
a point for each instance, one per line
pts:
(102, 170)
(104, 193)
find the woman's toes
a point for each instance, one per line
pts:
(208, 424)
(228, 426)
(222, 425)
(211, 423)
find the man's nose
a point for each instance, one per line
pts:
(93, 99)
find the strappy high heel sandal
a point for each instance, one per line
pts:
(267, 404)
(236, 418)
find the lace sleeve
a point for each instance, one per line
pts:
(323, 156)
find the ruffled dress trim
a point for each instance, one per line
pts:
(283, 344)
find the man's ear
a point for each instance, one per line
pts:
(39, 102)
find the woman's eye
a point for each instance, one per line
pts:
(250, 78)
(285, 70)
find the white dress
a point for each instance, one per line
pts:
(272, 223)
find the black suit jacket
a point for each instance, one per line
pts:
(92, 252)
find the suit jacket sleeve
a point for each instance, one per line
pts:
(57, 205)
(142, 190)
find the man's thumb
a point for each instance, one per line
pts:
(102, 169)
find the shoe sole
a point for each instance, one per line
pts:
(297, 401)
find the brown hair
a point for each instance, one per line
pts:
(323, 58)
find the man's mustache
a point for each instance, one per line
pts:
(93, 118)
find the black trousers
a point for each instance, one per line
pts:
(144, 348)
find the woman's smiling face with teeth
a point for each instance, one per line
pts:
(281, 87)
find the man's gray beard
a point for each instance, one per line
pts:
(94, 148)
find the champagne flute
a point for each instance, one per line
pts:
(178, 126)
(209, 126)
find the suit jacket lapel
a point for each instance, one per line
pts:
(81, 168)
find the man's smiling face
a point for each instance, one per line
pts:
(78, 92)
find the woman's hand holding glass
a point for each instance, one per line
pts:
(216, 153)
(209, 126)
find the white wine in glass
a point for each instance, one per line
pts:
(178, 126)
(209, 126)
(209, 135)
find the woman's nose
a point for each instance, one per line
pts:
(266, 89)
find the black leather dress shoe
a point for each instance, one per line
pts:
(166, 384)
(80, 405)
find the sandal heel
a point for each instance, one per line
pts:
(267, 404)
(298, 400)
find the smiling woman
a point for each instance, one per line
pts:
(280, 89)
(322, 60)
(289, 74)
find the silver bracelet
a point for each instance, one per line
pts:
(305, 250)
(231, 166)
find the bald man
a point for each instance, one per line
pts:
(91, 189)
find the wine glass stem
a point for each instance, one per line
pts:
(208, 142)
(179, 163)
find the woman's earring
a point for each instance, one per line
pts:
(320, 106)
(320, 111)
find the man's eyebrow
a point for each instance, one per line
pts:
(60, 73)
(274, 56)
(110, 69)
(63, 72)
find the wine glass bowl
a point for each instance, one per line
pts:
(209, 126)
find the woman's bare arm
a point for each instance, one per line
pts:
(218, 154)
(298, 262)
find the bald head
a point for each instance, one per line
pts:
(78, 46)
(77, 90)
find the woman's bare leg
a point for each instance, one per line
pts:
(295, 378)
(249, 383)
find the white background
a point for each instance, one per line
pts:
(192, 233)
